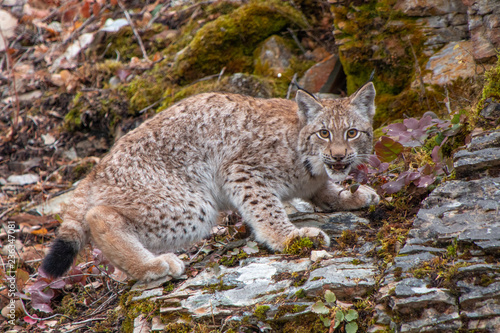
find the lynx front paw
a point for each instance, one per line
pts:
(364, 197)
(163, 265)
(313, 233)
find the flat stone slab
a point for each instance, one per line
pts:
(467, 211)
(483, 152)
(261, 280)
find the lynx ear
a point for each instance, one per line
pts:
(309, 107)
(363, 100)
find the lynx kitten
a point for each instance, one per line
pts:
(163, 184)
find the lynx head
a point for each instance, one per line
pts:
(337, 134)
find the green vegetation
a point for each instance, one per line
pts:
(260, 311)
(230, 40)
(299, 246)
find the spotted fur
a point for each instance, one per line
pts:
(162, 185)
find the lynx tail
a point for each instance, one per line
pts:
(60, 257)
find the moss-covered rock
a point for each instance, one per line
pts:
(375, 37)
(230, 40)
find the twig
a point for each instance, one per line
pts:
(294, 36)
(7, 211)
(139, 40)
(209, 77)
(447, 100)
(152, 105)
(196, 254)
(83, 322)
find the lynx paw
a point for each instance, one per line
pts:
(311, 233)
(364, 197)
(163, 265)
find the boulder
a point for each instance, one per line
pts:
(274, 55)
(453, 61)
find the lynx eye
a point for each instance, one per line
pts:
(352, 133)
(324, 134)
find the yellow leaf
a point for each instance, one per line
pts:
(39, 232)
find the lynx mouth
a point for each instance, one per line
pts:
(338, 167)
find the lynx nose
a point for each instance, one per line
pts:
(338, 156)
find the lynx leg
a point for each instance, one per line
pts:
(333, 197)
(115, 238)
(265, 214)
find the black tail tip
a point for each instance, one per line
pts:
(60, 258)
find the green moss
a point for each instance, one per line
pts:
(72, 120)
(178, 328)
(491, 87)
(231, 39)
(300, 293)
(307, 323)
(260, 312)
(370, 36)
(132, 309)
(212, 288)
(347, 239)
(233, 260)
(68, 305)
(299, 246)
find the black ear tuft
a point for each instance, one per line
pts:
(60, 258)
(364, 100)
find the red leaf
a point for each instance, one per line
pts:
(85, 10)
(387, 149)
(437, 155)
(425, 181)
(393, 187)
(96, 8)
(31, 321)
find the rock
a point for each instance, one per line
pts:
(247, 84)
(54, 205)
(148, 294)
(484, 27)
(22, 180)
(316, 77)
(333, 224)
(429, 7)
(410, 261)
(454, 60)
(114, 25)
(491, 111)
(146, 286)
(141, 325)
(465, 210)
(484, 140)
(273, 55)
(469, 162)
(481, 305)
(317, 255)
(156, 324)
(262, 280)
(482, 153)
(340, 275)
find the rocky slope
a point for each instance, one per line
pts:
(406, 265)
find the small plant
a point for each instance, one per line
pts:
(44, 290)
(299, 246)
(337, 317)
(415, 150)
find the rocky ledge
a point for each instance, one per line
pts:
(446, 277)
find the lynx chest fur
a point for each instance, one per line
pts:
(163, 185)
